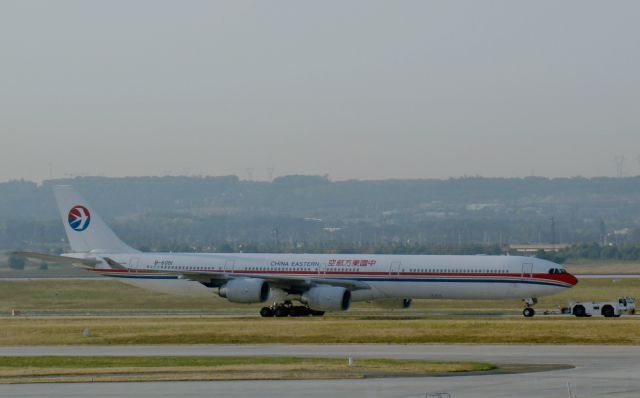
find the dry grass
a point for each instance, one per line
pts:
(69, 301)
(236, 330)
(108, 297)
(51, 296)
(602, 267)
(81, 369)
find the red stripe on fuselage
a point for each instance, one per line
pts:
(564, 278)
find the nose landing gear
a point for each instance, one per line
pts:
(528, 311)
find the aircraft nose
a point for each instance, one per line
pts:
(572, 279)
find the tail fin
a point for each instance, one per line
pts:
(84, 227)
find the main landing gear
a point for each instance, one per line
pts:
(528, 311)
(287, 309)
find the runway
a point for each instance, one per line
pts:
(599, 371)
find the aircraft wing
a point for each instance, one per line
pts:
(286, 282)
(52, 258)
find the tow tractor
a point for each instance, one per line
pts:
(624, 305)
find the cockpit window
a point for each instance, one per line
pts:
(557, 271)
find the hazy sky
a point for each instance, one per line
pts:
(354, 89)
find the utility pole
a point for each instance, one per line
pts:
(619, 159)
(270, 171)
(43, 264)
(553, 232)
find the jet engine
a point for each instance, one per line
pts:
(245, 290)
(327, 298)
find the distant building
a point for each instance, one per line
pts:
(535, 247)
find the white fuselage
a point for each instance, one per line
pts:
(389, 276)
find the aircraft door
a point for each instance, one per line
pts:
(229, 265)
(134, 262)
(394, 268)
(322, 269)
(527, 270)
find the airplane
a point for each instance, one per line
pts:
(319, 282)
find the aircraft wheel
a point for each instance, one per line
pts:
(316, 313)
(528, 312)
(608, 311)
(266, 312)
(295, 311)
(300, 311)
(281, 311)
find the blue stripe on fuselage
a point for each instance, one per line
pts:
(431, 280)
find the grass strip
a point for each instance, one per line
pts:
(237, 330)
(90, 297)
(135, 368)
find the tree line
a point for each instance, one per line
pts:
(302, 211)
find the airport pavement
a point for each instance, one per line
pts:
(599, 371)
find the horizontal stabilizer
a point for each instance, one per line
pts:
(114, 264)
(52, 258)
